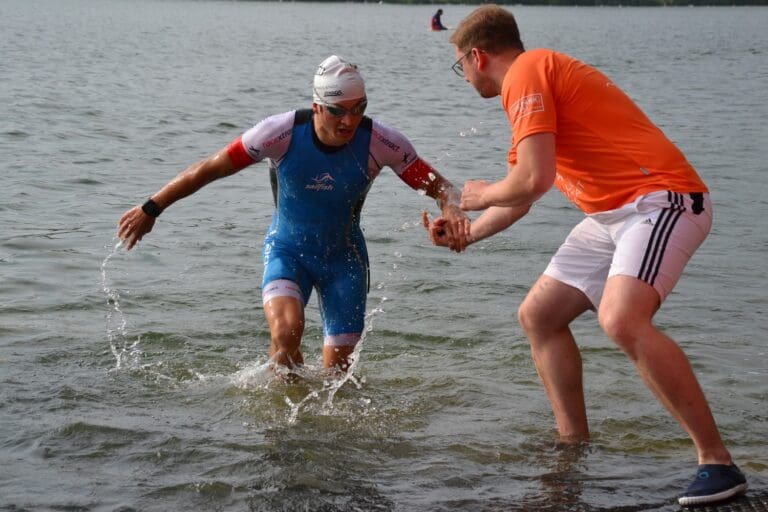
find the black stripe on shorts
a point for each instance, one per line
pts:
(665, 224)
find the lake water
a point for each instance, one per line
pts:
(135, 380)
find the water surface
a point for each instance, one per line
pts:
(135, 381)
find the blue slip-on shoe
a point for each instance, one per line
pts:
(714, 482)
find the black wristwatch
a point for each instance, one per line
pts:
(151, 208)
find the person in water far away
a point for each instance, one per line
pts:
(647, 211)
(437, 24)
(322, 162)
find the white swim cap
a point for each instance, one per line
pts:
(337, 80)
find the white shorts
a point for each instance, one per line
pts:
(651, 239)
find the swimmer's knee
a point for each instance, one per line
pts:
(286, 329)
(285, 333)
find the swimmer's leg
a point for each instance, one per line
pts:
(337, 355)
(342, 306)
(284, 310)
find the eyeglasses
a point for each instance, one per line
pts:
(457, 66)
(337, 111)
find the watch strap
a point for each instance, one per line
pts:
(151, 208)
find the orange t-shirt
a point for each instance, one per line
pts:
(608, 151)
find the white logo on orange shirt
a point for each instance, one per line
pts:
(570, 189)
(527, 105)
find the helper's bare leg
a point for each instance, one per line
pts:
(626, 314)
(545, 315)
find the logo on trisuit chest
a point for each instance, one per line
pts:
(323, 181)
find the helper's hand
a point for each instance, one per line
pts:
(471, 195)
(133, 225)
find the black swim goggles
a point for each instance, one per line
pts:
(337, 111)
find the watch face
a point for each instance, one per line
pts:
(151, 208)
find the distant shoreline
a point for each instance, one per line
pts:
(572, 3)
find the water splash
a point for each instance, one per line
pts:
(354, 358)
(296, 407)
(331, 386)
(411, 224)
(254, 375)
(126, 353)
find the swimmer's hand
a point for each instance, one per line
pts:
(440, 232)
(457, 226)
(133, 225)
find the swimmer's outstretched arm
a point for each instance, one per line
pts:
(448, 199)
(135, 223)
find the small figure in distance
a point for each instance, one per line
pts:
(322, 161)
(437, 24)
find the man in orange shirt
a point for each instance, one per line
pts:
(647, 211)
